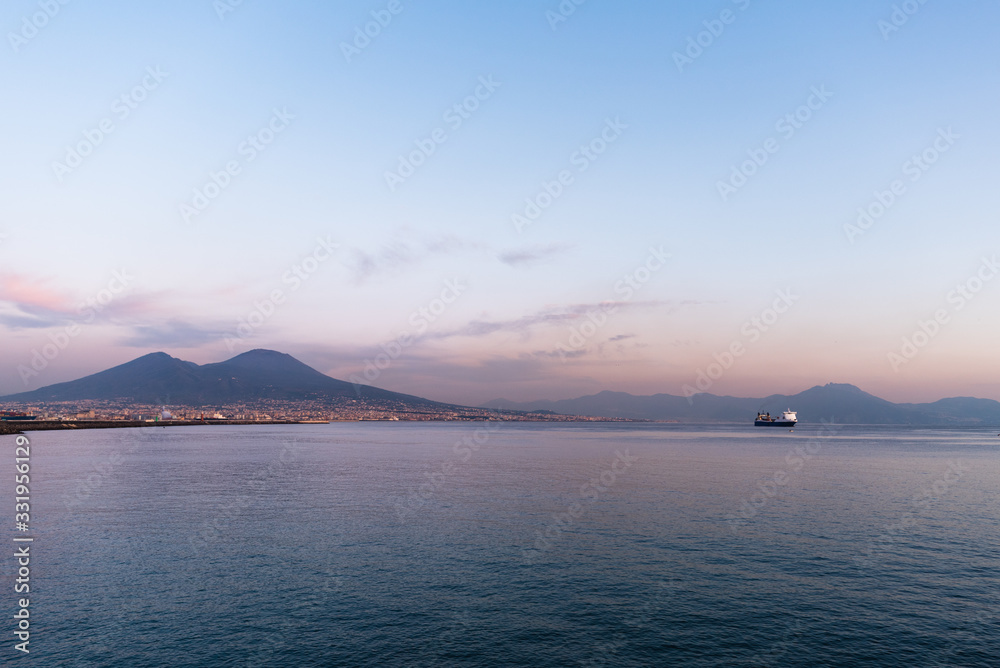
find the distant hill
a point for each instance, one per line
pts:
(158, 378)
(846, 404)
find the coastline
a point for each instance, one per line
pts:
(8, 427)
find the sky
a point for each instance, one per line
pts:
(528, 199)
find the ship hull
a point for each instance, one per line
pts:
(774, 423)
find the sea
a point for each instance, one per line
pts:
(507, 544)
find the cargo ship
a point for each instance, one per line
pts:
(788, 419)
(13, 417)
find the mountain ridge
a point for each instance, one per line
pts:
(840, 402)
(158, 378)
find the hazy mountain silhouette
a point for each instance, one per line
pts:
(845, 404)
(158, 378)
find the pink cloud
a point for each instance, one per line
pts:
(31, 293)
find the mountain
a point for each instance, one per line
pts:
(158, 378)
(845, 404)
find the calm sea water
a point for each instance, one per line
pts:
(393, 544)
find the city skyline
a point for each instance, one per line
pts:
(533, 201)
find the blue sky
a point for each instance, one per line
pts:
(517, 326)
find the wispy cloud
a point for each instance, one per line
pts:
(387, 259)
(33, 303)
(546, 317)
(415, 370)
(532, 255)
(402, 253)
(172, 334)
(18, 320)
(569, 354)
(32, 293)
(332, 357)
(399, 254)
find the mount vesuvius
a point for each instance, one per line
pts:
(158, 378)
